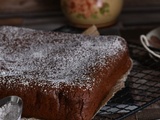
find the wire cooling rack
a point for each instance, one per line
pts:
(142, 86)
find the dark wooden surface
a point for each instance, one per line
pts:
(142, 3)
(23, 6)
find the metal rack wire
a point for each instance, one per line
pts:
(142, 88)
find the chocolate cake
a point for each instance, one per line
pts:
(60, 76)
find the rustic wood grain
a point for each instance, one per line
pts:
(141, 3)
(12, 6)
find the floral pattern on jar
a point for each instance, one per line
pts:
(86, 8)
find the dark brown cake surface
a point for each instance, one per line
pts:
(60, 76)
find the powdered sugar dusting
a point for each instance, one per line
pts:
(55, 57)
(9, 111)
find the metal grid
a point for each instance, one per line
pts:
(142, 86)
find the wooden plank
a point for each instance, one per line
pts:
(141, 3)
(11, 6)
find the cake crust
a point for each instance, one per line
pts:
(60, 76)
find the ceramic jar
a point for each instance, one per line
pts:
(84, 13)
